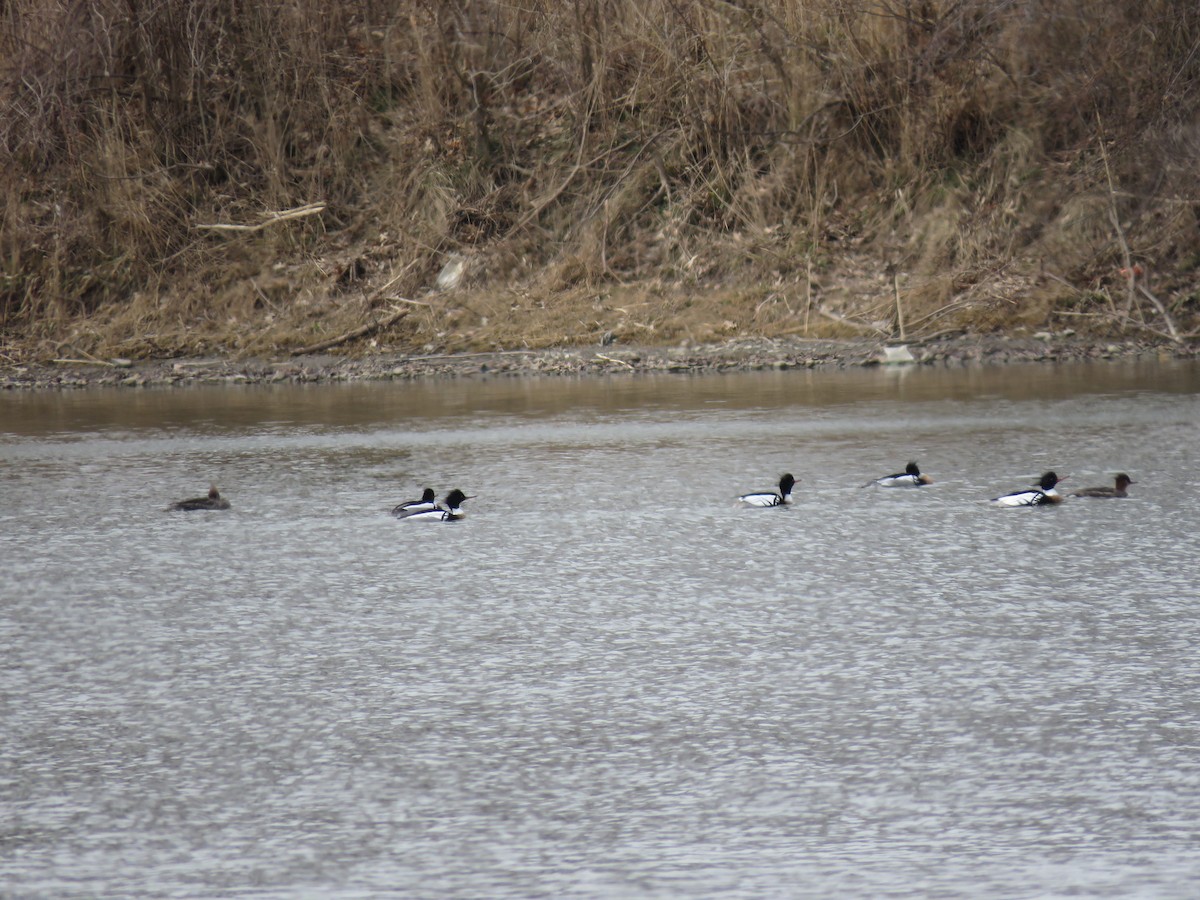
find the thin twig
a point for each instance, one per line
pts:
(580, 165)
(396, 278)
(1063, 281)
(350, 335)
(1162, 311)
(85, 362)
(1130, 275)
(937, 313)
(834, 317)
(273, 218)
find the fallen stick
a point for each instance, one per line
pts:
(1162, 311)
(358, 332)
(84, 362)
(613, 360)
(310, 209)
(843, 320)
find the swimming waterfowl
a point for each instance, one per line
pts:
(910, 477)
(214, 500)
(448, 511)
(771, 498)
(1043, 495)
(1122, 481)
(427, 502)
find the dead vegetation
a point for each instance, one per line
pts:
(185, 176)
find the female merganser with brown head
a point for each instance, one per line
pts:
(425, 504)
(1043, 495)
(1123, 481)
(214, 500)
(770, 498)
(451, 512)
(910, 477)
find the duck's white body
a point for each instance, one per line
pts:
(434, 515)
(450, 510)
(1043, 495)
(427, 503)
(771, 498)
(1028, 498)
(910, 477)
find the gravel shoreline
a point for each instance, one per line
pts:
(740, 355)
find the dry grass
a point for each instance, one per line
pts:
(630, 170)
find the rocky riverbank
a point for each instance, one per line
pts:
(736, 355)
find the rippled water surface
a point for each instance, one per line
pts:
(608, 681)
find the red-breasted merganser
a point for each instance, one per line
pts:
(1043, 495)
(910, 477)
(214, 500)
(770, 498)
(1123, 481)
(425, 504)
(449, 512)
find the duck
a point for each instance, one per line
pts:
(771, 498)
(214, 500)
(1043, 495)
(910, 477)
(450, 512)
(425, 504)
(1122, 480)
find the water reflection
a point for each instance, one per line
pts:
(609, 680)
(357, 405)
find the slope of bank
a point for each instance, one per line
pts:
(420, 179)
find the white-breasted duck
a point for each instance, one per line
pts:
(910, 477)
(449, 510)
(1044, 494)
(771, 498)
(427, 502)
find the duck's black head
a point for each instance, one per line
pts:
(428, 496)
(455, 498)
(1047, 481)
(1124, 481)
(786, 483)
(911, 469)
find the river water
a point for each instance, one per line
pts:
(608, 681)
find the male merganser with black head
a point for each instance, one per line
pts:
(1123, 481)
(1043, 495)
(770, 498)
(910, 477)
(425, 504)
(214, 500)
(451, 512)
